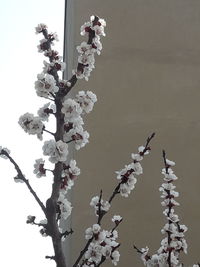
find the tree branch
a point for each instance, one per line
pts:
(22, 177)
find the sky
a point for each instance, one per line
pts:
(21, 244)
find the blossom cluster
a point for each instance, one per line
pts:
(174, 242)
(57, 151)
(69, 174)
(99, 205)
(95, 29)
(47, 83)
(64, 206)
(73, 109)
(103, 245)
(127, 175)
(31, 124)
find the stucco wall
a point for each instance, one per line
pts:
(147, 79)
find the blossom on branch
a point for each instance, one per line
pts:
(94, 29)
(79, 136)
(69, 174)
(45, 85)
(86, 100)
(40, 27)
(103, 246)
(31, 124)
(99, 204)
(174, 242)
(39, 170)
(65, 207)
(45, 111)
(71, 109)
(57, 151)
(127, 175)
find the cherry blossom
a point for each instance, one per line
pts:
(39, 168)
(86, 100)
(57, 151)
(40, 27)
(31, 124)
(65, 207)
(71, 109)
(45, 111)
(45, 85)
(127, 175)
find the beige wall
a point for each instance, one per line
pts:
(147, 79)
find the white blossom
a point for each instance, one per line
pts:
(44, 221)
(86, 100)
(116, 218)
(43, 46)
(84, 48)
(88, 233)
(128, 180)
(40, 27)
(39, 168)
(86, 51)
(136, 157)
(105, 205)
(31, 124)
(71, 171)
(57, 151)
(170, 163)
(79, 136)
(94, 253)
(45, 85)
(64, 205)
(45, 111)
(115, 257)
(71, 109)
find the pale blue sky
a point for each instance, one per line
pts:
(22, 245)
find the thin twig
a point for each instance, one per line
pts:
(22, 177)
(83, 252)
(45, 130)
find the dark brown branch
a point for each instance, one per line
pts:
(83, 252)
(147, 148)
(169, 206)
(115, 192)
(147, 257)
(137, 249)
(48, 132)
(66, 233)
(50, 257)
(22, 177)
(52, 202)
(165, 161)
